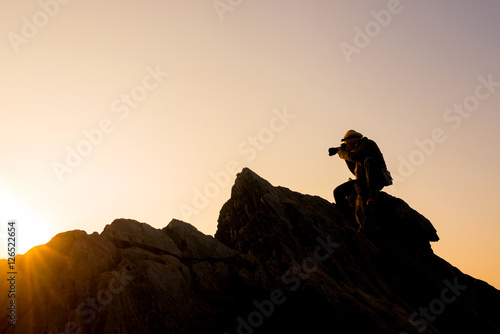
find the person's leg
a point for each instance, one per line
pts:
(373, 178)
(341, 194)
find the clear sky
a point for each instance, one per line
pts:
(148, 109)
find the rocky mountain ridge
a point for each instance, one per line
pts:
(280, 261)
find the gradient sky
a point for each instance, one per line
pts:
(167, 100)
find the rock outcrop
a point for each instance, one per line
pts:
(280, 262)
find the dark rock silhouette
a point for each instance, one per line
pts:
(280, 262)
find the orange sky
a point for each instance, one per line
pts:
(148, 110)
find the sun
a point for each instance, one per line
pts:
(31, 229)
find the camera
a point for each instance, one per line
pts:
(335, 150)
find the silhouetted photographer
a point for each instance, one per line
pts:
(365, 160)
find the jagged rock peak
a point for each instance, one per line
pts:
(252, 196)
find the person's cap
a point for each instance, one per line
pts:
(351, 135)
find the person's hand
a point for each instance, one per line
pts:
(343, 154)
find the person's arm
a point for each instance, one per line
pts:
(352, 166)
(358, 155)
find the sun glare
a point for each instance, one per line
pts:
(31, 230)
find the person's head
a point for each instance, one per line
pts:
(351, 138)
